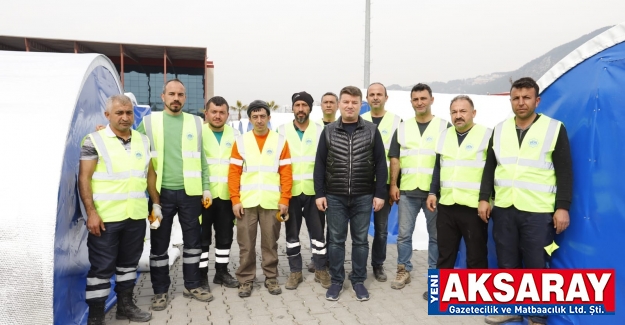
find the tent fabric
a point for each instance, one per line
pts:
(589, 99)
(42, 237)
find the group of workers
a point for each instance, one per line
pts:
(328, 171)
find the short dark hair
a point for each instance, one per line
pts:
(352, 91)
(421, 87)
(525, 82)
(462, 97)
(329, 93)
(172, 80)
(217, 101)
(377, 83)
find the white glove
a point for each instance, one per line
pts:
(156, 216)
(207, 199)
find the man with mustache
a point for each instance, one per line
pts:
(329, 106)
(183, 184)
(387, 123)
(460, 158)
(259, 179)
(412, 153)
(218, 139)
(115, 170)
(303, 137)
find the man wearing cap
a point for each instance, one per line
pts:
(387, 123)
(260, 180)
(218, 139)
(303, 136)
(528, 164)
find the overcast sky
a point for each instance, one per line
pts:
(270, 49)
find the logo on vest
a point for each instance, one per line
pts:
(384, 132)
(533, 143)
(228, 145)
(429, 139)
(269, 152)
(190, 136)
(308, 142)
(468, 147)
(138, 155)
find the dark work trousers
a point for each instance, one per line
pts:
(219, 216)
(520, 240)
(460, 221)
(380, 223)
(188, 209)
(116, 251)
(304, 206)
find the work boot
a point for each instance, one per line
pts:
(198, 293)
(295, 278)
(245, 289)
(323, 277)
(159, 301)
(96, 313)
(273, 286)
(222, 276)
(126, 308)
(501, 319)
(402, 278)
(311, 267)
(204, 281)
(378, 273)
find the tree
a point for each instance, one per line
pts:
(272, 105)
(238, 108)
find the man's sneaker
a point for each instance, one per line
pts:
(323, 277)
(402, 278)
(500, 319)
(223, 277)
(245, 289)
(159, 301)
(334, 291)
(295, 278)
(311, 267)
(273, 286)
(378, 273)
(198, 293)
(362, 294)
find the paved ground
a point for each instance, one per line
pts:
(304, 306)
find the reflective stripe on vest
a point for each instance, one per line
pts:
(218, 159)
(525, 176)
(191, 150)
(462, 165)
(388, 125)
(417, 154)
(119, 182)
(260, 180)
(303, 154)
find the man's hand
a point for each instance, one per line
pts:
(207, 199)
(561, 220)
(95, 224)
(431, 202)
(238, 210)
(284, 209)
(393, 194)
(156, 216)
(377, 204)
(483, 210)
(322, 203)
(99, 127)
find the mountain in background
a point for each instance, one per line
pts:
(499, 82)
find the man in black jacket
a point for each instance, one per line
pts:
(350, 177)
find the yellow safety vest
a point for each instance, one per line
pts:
(260, 180)
(119, 181)
(303, 154)
(387, 128)
(462, 165)
(191, 150)
(417, 156)
(525, 176)
(218, 159)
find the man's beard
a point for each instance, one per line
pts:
(301, 119)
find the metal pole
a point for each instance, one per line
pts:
(121, 55)
(367, 42)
